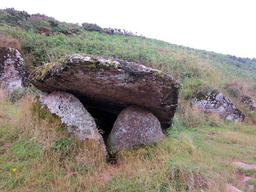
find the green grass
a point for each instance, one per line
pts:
(252, 182)
(196, 70)
(47, 159)
(197, 153)
(249, 172)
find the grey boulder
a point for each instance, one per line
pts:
(217, 102)
(12, 69)
(251, 105)
(134, 126)
(73, 115)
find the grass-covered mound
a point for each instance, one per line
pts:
(39, 155)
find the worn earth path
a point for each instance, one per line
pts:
(242, 177)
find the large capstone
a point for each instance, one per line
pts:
(12, 69)
(73, 114)
(134, 126)
(106, 86)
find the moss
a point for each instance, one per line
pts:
(92, 61)
(42, 113)
(177, 86)
(202, 96)
(43, 70)
(159, 73)
(47, 67)
(12, 50)
(206, 93)
(111, 62)
(109, 145)
(89, 65)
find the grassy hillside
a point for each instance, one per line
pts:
(197, 154)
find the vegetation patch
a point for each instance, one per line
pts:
(37, 154)
(252, 182)
(249, 172)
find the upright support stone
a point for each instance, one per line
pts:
(134, 126)
(73, 115)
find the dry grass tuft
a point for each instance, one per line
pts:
(193, 116)
(10, 42)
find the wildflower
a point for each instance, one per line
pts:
(14, 170)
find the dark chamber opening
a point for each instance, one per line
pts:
(104, 121)
(104, 113)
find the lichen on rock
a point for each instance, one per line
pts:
(73, 115)
(249, 102)
(110, 85)
(134, 126)
(216, 102)
(12, 69)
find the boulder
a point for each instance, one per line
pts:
(216, 102)
(106, 85)
(12, 69)
(249, 102)
(134, 126)
(73, 115)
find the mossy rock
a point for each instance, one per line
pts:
(206, 93)
(110, 84)
(42, 113)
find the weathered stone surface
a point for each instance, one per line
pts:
(216, 102)
(110, 85)
(12, 69)
(134, 126)
(250, 102)
(73, 114)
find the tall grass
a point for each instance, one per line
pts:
(39, 155)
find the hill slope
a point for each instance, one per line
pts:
(43, 39)
(199, 149)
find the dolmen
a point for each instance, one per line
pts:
(138, 101)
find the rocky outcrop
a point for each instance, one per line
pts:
(73, 115)
(106, 86)
(134, 126)
(249, 102)
(216, 102)
(12, 69)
